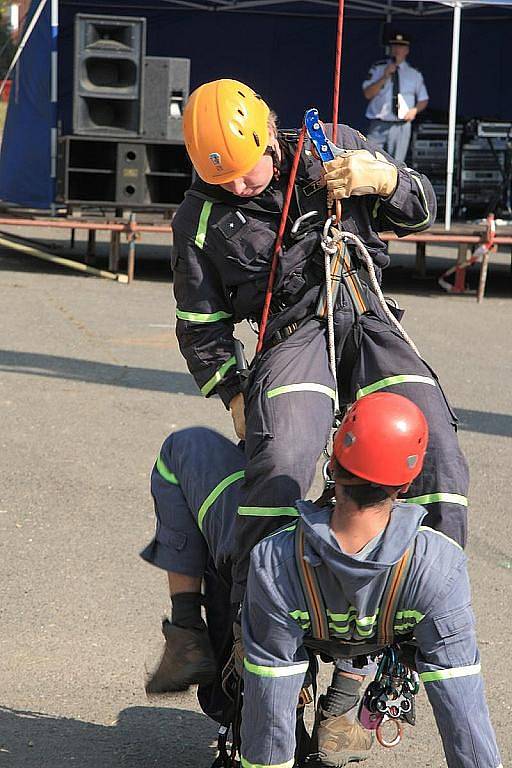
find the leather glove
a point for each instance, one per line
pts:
(359, 172)
(237, 408)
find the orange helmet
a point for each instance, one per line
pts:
(225, 125)
(382, 439)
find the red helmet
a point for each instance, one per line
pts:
(382, 439)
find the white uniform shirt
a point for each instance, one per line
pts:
(412, 89)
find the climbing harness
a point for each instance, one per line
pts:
(389, 699)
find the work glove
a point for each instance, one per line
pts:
(359, 172)
(237, 408)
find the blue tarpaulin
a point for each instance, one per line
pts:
(285, 51)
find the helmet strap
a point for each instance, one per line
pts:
(275, 160)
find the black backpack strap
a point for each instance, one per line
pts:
(311, 589)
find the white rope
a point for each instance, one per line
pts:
(329, 250)
(363, 252)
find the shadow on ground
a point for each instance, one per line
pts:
(90, 371)
(141, 737)
(155, 380)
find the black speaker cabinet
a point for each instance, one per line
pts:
(108, 172)
(166, 89)
(108, 75)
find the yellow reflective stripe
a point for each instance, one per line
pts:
(425, 205)
(213, 496)
(304, 387)
(218, 375)
(448, 674)
(267, 511)
(246, 764)
(291, 527)
(203, 224)
(261, 671)
(302, 615)
(165, 473)
(439, 533)
(202, 317)
(390, 381)
(435, 498)
(416, 615)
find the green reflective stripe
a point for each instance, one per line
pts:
(267, 511)
(439, 533)
(165, 473)
(425, 205)
(203, 224)
(213, 496)
(246, 764)
(202, 317)
(364, 621)
(261, 671)
(291, 527)
(303, 615)
(448, 674)
(434, 498)
(305, 387)
(218, 375)
(391, 381)
(415, 615)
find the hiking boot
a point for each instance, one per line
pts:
(342, 741)
(187, 660)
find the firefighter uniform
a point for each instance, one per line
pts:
(197, 484)
(221, 261)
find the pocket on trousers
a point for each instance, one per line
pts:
(259, 411)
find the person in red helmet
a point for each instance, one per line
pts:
(350, 576)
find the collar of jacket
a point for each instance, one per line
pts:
(322, 548)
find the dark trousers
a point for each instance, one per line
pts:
(289, 415)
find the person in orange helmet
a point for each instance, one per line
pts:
(224, 233)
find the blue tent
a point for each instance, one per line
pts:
(283, 48)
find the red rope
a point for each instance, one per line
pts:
(279, 241)
(337, 71)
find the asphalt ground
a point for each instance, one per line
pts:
(91, 383)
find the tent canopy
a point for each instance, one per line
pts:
(283, 48)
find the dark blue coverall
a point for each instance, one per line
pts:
(221, 261)
(196, 484)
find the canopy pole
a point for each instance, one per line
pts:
(452, 118)
(54, 93)
(23, 43)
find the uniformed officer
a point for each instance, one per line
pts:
(224, 233)
(352, 547)
(396, 94)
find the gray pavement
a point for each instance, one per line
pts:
(91, 382)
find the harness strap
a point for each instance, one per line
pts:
(315, 602)
(391, 597)
(311, 588)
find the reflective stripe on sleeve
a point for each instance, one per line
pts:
(246, 764)
(404, 225)
(218, 375)
(435, 498)
(305, 387)
(213, 496)
(203, 224)
(261, 671)
(439, 533)
(267, 511)
(202, 317)
(447, 674)
(392, 380)
(165, 473)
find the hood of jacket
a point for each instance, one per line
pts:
(353, 575)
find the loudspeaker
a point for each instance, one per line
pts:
(108, 75)
(108, 172)
(166, 88)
